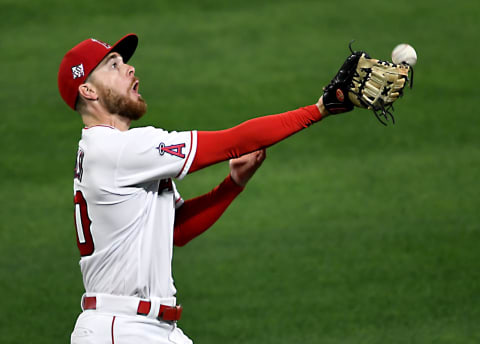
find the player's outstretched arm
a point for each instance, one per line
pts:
(252, 135)
(262, 132)
(196, 215)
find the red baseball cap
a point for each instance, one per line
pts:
(81, 60)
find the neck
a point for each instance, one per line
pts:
(114, 120)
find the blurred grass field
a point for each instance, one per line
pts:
(350, 233)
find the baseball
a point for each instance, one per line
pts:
(404, 53)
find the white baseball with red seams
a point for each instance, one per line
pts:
(404, 53)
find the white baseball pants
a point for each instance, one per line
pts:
(115, 322)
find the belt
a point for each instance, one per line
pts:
(165, 312)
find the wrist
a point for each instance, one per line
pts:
(322, 108)
(233, 184)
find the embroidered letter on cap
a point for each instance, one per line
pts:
(77, 71)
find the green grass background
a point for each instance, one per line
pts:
(350, 233)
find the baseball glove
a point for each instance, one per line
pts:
(366, 83)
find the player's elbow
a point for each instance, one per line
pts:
(180, 241)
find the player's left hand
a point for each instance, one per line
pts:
(365, 83)
(244, 167)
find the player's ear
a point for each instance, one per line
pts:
(87, 91)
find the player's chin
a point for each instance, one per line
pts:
(134, 109)
(140, 110)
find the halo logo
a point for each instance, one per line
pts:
(175, 150)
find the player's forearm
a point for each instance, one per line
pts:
(196, 215)
(257, 133)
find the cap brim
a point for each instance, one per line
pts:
(126, 46)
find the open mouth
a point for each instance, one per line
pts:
(135, 86)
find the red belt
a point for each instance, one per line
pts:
(167, 313)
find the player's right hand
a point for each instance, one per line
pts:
(244, 167)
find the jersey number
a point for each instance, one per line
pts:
(82, 223)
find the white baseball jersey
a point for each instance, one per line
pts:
(125, 204)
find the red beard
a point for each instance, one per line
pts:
(122, 105)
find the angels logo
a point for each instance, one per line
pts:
(175, 150)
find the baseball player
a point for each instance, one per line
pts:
(128, 212)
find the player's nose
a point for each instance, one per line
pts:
(130, 70)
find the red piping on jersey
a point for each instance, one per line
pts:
(188, 155)
(113, 322)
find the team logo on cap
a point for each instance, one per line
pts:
(78, 71)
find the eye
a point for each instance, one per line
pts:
(114, 65)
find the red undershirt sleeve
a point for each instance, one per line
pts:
(249, 136)
(198, 214)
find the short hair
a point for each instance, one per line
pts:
(80, 103)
